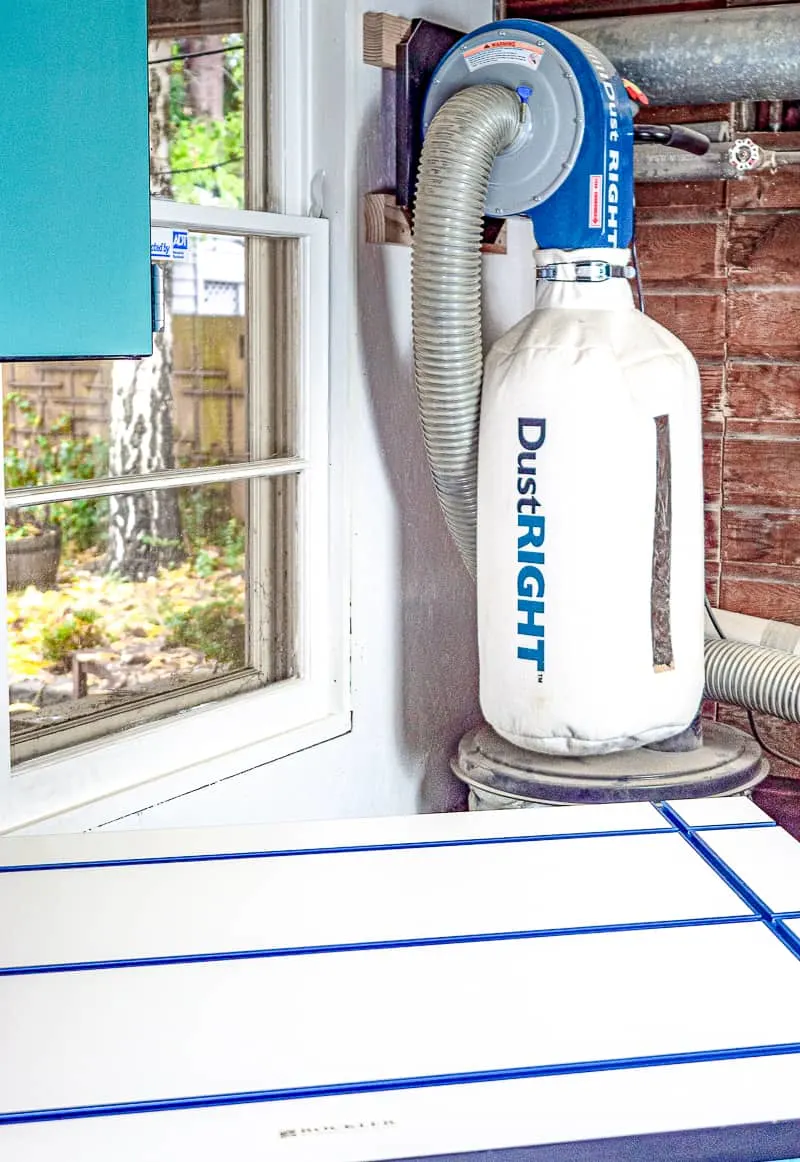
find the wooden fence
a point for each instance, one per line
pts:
(208, 386)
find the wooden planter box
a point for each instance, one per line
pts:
(34, 560)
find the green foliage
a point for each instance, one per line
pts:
(79, 631)
(159, 542)
(19, 531)
(205, 563)
(198, 145)
(208, 144)
(84, 522)
(205, 510)
(233, 544)
(210, 532)
(213, 628)
(54, 455)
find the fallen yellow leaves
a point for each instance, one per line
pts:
(126, 611)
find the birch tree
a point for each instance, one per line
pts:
(196, 153)
(145, 528)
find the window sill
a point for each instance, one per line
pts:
(105, 780)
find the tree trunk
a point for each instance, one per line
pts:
(145, 529)
(205, 76)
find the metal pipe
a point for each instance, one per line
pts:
(698, 58)
(713, 130)
(653, 163)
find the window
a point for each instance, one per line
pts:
(172, 606)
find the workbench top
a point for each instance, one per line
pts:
(404, 988)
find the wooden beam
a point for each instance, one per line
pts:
(173, 19)
(382, 33)
(389, 224)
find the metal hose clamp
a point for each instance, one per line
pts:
(584, 270)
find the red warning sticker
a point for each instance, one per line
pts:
(595, 201)
(500, 52)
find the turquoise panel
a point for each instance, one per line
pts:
(74, 179)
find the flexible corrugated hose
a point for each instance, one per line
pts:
(755, 677)
(460, 148)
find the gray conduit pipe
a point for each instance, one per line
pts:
(460, 147)
(754, 677)
(697, 58)
(652, 163)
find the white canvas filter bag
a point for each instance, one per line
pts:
(590, 552)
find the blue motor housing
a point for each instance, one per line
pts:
(571, 168)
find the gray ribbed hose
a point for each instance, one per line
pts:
(755, 677)
(461, 145)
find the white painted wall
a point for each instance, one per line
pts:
(414, 652)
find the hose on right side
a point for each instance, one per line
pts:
(754, 677)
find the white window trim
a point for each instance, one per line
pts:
(160, 760)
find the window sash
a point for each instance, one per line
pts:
(150, 763)
(212, 220)
(194, 744)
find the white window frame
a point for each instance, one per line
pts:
(191, 748)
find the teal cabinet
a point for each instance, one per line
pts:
(74, 179)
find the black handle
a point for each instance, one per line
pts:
(675, 136)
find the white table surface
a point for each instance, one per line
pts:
(398, 988)
(766, 859)
(720, 812)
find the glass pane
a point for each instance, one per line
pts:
(208, 351)
(84, 637)
(197, 101)
(183, 407)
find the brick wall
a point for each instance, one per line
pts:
(721, 265)
(721, 268)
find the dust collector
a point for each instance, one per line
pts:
(569, 468)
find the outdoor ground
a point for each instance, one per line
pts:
(187, 622)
